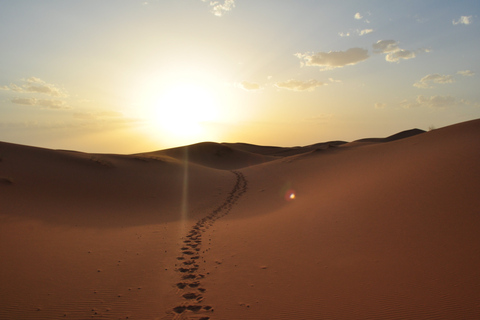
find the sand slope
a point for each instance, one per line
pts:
(378, 229)
(215, 155)
(85, 235)
(384, 231)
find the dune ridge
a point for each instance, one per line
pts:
(378, 228)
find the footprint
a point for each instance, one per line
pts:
(181, 285)
(193, 246)
(187, 270)
(179, 309)
(191, 296)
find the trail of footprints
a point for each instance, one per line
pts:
(190, 285)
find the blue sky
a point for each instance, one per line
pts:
(131, 76)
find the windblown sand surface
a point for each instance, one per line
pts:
(372, 229)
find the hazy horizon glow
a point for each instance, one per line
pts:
(130, 76)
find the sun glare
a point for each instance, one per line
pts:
(182, 111)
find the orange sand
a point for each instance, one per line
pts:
(377, 229)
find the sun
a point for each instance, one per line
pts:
(183, 110)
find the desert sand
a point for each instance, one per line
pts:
(378, 228)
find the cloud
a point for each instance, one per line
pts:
(33, 91)
(333, 59)
(52, 104)
(249, 86)
(298, 85)
(359, 16)
(94, 124)
(379, 105)
(97, 115)
(437, 102)
(24, 101)
(365, 31)
(334, 81)
(466, 73)
(220, 9)
(463, 20)
(36, 85)
(385, 46)
(400, 54)
(45, 103)
(433, 102)
(355, 32)
(426, 81)
(393, 52)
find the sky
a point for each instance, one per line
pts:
(131, 76)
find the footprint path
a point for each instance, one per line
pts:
(190, 259)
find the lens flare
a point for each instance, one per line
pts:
(290, 195)
(185, 187)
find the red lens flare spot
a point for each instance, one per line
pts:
(290, 195)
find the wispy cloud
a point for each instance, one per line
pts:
(103, 120)
(299, 85)
(400, 55)
(45, 103)
(365, 31)
(96, 123)
(36, 85)
(434, 102)
(218, 8)
(385, 46)
(426, 81)
(97, 115)
(437, 102)
(359, 16)
(333, 59)
(37, 92)
(466, 73)
(357, 32)
(393, 52)
(249, 86)
(335, 81)
(463, 20)
(380, 105)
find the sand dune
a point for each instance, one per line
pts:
(383, 228)
(214, 155)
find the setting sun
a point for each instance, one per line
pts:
(182, 110)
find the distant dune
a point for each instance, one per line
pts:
(377, 228)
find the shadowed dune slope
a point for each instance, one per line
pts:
(102, 189)
(214, 155)
(397, 136)
(87, 236)
(229, 156)
(283, 151)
